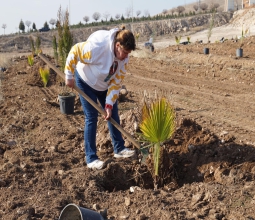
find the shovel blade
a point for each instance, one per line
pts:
(145, 154)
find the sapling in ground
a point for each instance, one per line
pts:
(210, 28)
(157, 126)
(178, 40)
(30, 60)
(188, 39)
(32, 44)
(45, 75)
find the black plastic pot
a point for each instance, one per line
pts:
(74, 212)
(239, 52)
(66, 103)
(206, 50)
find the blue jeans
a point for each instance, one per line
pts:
(91, 115)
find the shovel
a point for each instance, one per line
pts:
(96, 106)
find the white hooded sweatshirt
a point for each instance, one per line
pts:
(97, 65)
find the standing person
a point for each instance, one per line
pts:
(98, 67)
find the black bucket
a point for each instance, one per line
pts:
(239, 52)
(206, 50)
(74, 212)
(66, 103)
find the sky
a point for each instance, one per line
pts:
(40, 11)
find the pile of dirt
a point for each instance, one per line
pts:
(243, 18)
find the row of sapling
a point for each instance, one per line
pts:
(36, 49)
(61, 47)
(178, 41)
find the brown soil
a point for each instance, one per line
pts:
(208, 165)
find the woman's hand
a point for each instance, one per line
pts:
(108, 114)
(108, 109)
(70, 83)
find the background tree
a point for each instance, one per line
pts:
(28, 23)
(203, 7)
(86, 19)
(34, 26)
(117, 16)
(52, 22)
(138, 12)
(215, 6)
(195, 7)
(21, 26)
(106, 15)
(4, 26)
(96, 16)
(122, 18)
(180, 9)
(164, 12)
(46, 25)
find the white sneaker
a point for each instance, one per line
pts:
(96, 164)
(125, 153)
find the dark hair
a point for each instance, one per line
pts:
(126, 39)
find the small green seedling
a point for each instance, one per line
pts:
(178, 39)
(30, 60)
(45, 75)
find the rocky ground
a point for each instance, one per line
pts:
(208, 166)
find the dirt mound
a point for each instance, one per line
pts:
(243, 18)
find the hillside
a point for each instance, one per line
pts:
(158, 29)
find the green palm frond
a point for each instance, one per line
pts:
(157, 126)
(158, 121)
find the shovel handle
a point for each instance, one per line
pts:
(96, 106)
